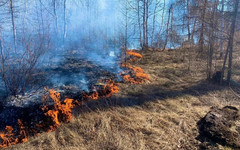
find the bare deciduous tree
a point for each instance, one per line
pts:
(13, 23)
(167, 30)
(231, 38)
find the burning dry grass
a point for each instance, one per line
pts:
(134, 54)
(161, 114)
(109, 88)
(56, 113)
(134, 74)
(61, 111)
(9, 138)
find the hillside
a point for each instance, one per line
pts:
(159, 114)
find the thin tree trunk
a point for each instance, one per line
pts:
(171, 25)
(65, 20)
(201, 41)
(13, 25)
(2, 53)
(193, 30)
(147, 16)
(224, 65)
(126, 33)
(222, 26)
(144, 23)
(38, 19)
(212, 41)
(171, 20)
(1, 46)
(3, 69)
(188, 21)
(25, 15)
(229, 76)
(88, 19)
(154, 21)
(139, 24)
(56, 16)
(159, 34)
(42, 20)
(166, 40)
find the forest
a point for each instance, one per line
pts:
(119, 74)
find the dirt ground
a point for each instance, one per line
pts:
(159, 114)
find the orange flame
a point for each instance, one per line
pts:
(129, 78)
(61, 112)
(8, 138)
(137, 74)
(137, 69)
(23, 132)
(56, 113)
(109, 88)
(135, 54)
(93, 96)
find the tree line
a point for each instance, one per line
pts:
(208, 25)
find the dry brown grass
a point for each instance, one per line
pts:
(159, 114)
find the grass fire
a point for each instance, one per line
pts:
(119, 74)
(58, 110)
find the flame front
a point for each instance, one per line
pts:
(134, 54)
(62, 111)
(109, 88)
(136, 74)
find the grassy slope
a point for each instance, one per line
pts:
(159, 114)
